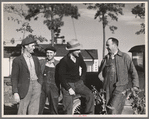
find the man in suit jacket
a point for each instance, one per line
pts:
(26, 79)
(50, 87)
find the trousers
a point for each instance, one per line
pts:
(82, 90)
(49, 91)
(117, 100)
(30, 104)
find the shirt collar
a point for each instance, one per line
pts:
(27, 55)
(72, 58)
(50, 63)
(53, 60)
(119, 53)
(115, 53)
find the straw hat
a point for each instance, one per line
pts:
(73, 45)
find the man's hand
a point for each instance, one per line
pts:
(16, 97)
(71, 91)
(135, 90)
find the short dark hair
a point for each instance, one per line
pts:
(114, 40)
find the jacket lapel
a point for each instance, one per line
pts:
(35, 62)
(23, 61)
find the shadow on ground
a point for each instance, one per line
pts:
(12, 109)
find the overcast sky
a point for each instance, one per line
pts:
(88, 31)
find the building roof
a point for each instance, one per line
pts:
(137, 48)
(11, 51)
(14, 51)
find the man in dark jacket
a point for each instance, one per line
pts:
(50, 87)
(72, 80)
(26, 79)
(115, 68)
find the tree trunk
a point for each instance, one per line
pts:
(52, 30)
(52, 37)
(103, 38)
(23, 38)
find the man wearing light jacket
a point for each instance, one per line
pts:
(114, 71)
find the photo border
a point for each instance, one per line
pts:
(70, 116)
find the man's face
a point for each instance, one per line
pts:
(76, 53)
(110, 46)
(30, 48)
(50, 54)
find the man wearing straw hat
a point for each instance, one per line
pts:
(72, 81)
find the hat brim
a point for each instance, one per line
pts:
(75, 48)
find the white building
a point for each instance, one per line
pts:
(90, 56)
